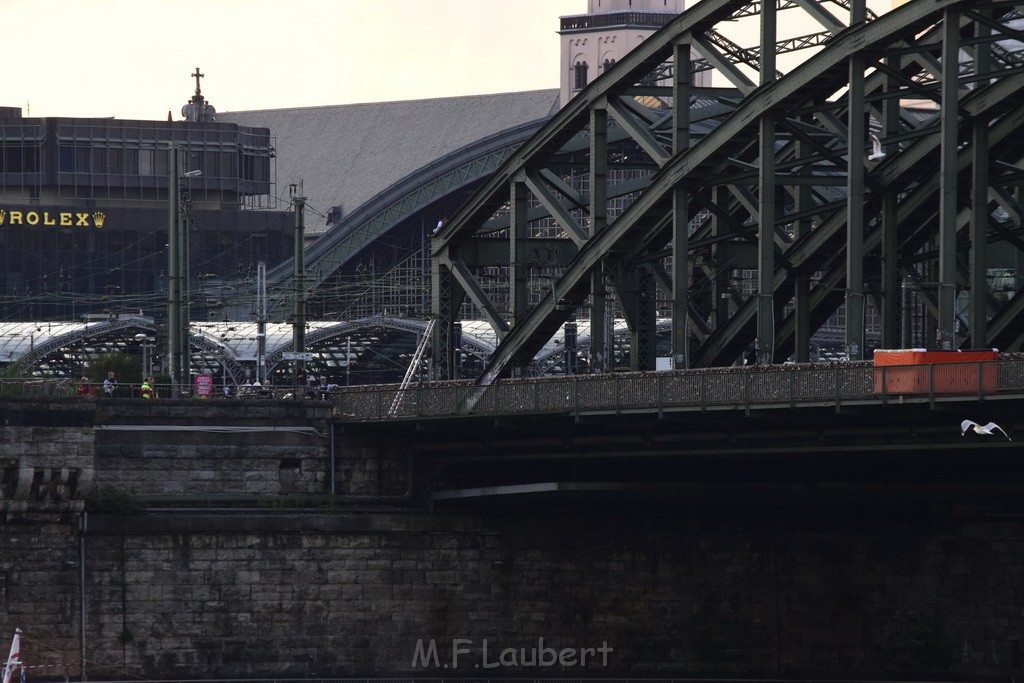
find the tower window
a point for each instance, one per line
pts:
(579, 75)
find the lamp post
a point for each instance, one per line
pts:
(173, 270)
(178, 354)
(299, 302)
(261, 322)
(299, 311)
(147, 344)
(185, 222)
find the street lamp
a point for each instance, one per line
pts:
(177, 272)
(183, 280)
(147, 344)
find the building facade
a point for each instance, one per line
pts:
(84, 212)
(591, 43)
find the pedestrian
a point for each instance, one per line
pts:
(85, 388)
(146, 389)
(316, 388)
(109, 384)
(265, 391)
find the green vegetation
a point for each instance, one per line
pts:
(11, 379)
(126, 368)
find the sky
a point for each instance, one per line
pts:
(133, 59)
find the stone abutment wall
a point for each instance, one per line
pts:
(266, 574)
(351, 593)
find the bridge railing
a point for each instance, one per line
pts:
(623, 392)
(35, 387)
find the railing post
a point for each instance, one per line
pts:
(931, 385)
(618, 397)
(981, 377)
(746, 392)
(835, 375)
(576, 396)
(660, 394)
(792, 389)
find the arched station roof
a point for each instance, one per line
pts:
(374, 350)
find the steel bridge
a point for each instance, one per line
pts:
(970, 386)
(880, 176)
(624, 206)
(853, 436)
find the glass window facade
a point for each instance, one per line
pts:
(84, 214)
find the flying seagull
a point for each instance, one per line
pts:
(988, 429)
(876, 149)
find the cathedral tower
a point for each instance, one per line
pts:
(594, 41)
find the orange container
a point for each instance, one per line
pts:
(917, 371)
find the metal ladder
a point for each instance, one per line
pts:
(414, 365)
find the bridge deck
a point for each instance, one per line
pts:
(747, 388)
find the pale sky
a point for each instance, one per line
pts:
(132, 59)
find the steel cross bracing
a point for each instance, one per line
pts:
(931, 92)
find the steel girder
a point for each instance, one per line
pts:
(961, 61)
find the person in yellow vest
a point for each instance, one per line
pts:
(146, 390)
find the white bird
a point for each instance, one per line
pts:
(987, 430)
(876, 149)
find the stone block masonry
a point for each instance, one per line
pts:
(213, 448)
(46, 456)
(414, 593)
(377, 583)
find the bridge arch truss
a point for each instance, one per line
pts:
(877, 172)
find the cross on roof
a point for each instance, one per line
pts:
(197, 76)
